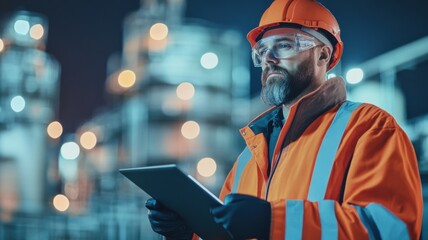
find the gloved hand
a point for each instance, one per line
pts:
(244, 216)
(167, 222)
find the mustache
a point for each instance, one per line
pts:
(273, 69)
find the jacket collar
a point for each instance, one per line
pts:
(303, 112)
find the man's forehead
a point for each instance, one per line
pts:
(282, 30)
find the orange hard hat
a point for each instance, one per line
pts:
(306, 13)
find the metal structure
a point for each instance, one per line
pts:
(28, 102)
(179, 92)
(29, 79)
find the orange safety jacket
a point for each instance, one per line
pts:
(340, 170)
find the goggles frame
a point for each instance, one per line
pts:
(281, 46)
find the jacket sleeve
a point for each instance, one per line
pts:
(382, 196)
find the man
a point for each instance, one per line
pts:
(316, 166)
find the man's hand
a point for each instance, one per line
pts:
(166, 222)
(244, 216)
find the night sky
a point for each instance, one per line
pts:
(84, 33)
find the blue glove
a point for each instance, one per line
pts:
(244, 216)
(166, 222)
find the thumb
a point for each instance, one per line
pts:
(217, 211)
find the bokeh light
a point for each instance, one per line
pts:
(17, 103)
(61, 202)
(159, 31)
(331, 75)
(88, 140)
(127, 78)
(70, 150)
(185, 91)
(1, 45)
(209, 60)
(37, 31)
(206, 167)
(354, 75)
(21, 27)
(190, 129)
(54, 129)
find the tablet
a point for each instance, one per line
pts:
(182, 194)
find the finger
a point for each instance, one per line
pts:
(152, 203)
(167, 228)
(219, 214)
(163, 215)
(218, 211)
(231, 198)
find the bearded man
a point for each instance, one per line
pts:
(316, 166)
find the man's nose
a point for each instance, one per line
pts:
(270, 58)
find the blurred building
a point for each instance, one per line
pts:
(178, 94)
(29, 80)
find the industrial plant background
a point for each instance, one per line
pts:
(176, 91)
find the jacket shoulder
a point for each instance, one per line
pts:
(374, 117)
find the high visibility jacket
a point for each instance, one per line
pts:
(340, 170)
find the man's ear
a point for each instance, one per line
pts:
(324, 56)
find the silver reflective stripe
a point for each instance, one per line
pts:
(381, 223)
(294, 219)
(329, 229)
(327, 151)
(243, 160)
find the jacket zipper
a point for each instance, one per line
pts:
(273, 171)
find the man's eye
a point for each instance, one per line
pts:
(283, 45)
(263, 51)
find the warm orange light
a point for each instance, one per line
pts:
(37, 31)
(190, 129)
(1, 45)
(159, 31)
(185, 91)
(61, 202)
(206, 167)
(54, 129)
(88, 140)
(127, 78)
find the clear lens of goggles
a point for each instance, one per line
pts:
(281, 46)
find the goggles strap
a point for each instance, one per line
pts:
(318, 36)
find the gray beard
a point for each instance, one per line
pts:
(278, 90)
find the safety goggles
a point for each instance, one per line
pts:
(281, 46)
